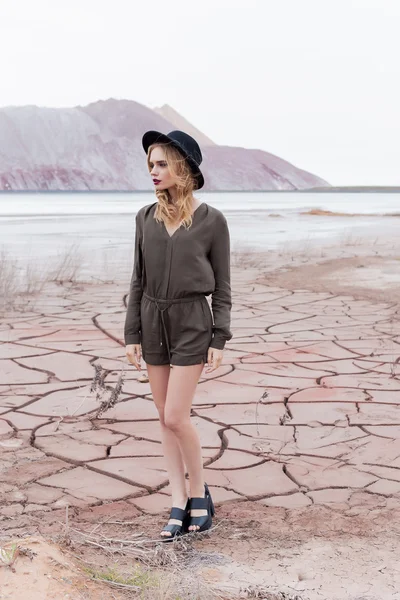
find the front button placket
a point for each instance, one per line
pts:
(168, 266)
(165, 287)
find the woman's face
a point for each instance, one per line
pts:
(159, 172)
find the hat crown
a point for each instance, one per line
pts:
(187, 143)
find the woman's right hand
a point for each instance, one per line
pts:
(134, 354)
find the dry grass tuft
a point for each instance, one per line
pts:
(101, 388)
(22, 282)
(263, 594)
(68, 265)
(247, 257)
(349, 239)
(9, 285)
(394, 354)
(298, 251)
(149, 569)
(155, 585)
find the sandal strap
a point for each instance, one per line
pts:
(172, 528)
(198, 520)
(199, 503)
(177, 513)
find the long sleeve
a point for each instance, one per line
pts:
(221, 302)
(132, 320)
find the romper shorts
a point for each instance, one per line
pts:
(175, 331)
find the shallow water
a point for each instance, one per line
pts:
(38, 226)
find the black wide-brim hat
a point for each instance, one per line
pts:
(184, 143)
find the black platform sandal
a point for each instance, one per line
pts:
(180, 514)
(205, 521)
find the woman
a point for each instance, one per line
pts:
(182, 254)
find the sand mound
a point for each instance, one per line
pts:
(40, 571)
(319, 212)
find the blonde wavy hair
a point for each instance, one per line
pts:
(181, 208)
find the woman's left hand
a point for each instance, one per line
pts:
(214, 359)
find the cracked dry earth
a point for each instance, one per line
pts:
(300, 429)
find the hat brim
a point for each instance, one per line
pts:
(153, 137)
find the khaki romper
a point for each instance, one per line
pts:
(168, 312)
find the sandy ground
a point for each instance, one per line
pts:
(48, 573)
(300, 429)
(362, 267)
(370, 278)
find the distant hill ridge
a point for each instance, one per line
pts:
(181, 123)
(98, 147)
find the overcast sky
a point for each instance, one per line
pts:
(316, 82)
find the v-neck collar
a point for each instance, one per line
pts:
(180, 226)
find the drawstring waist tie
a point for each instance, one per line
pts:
(162, 304)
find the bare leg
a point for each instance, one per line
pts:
(181, 388)
(158, 379)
